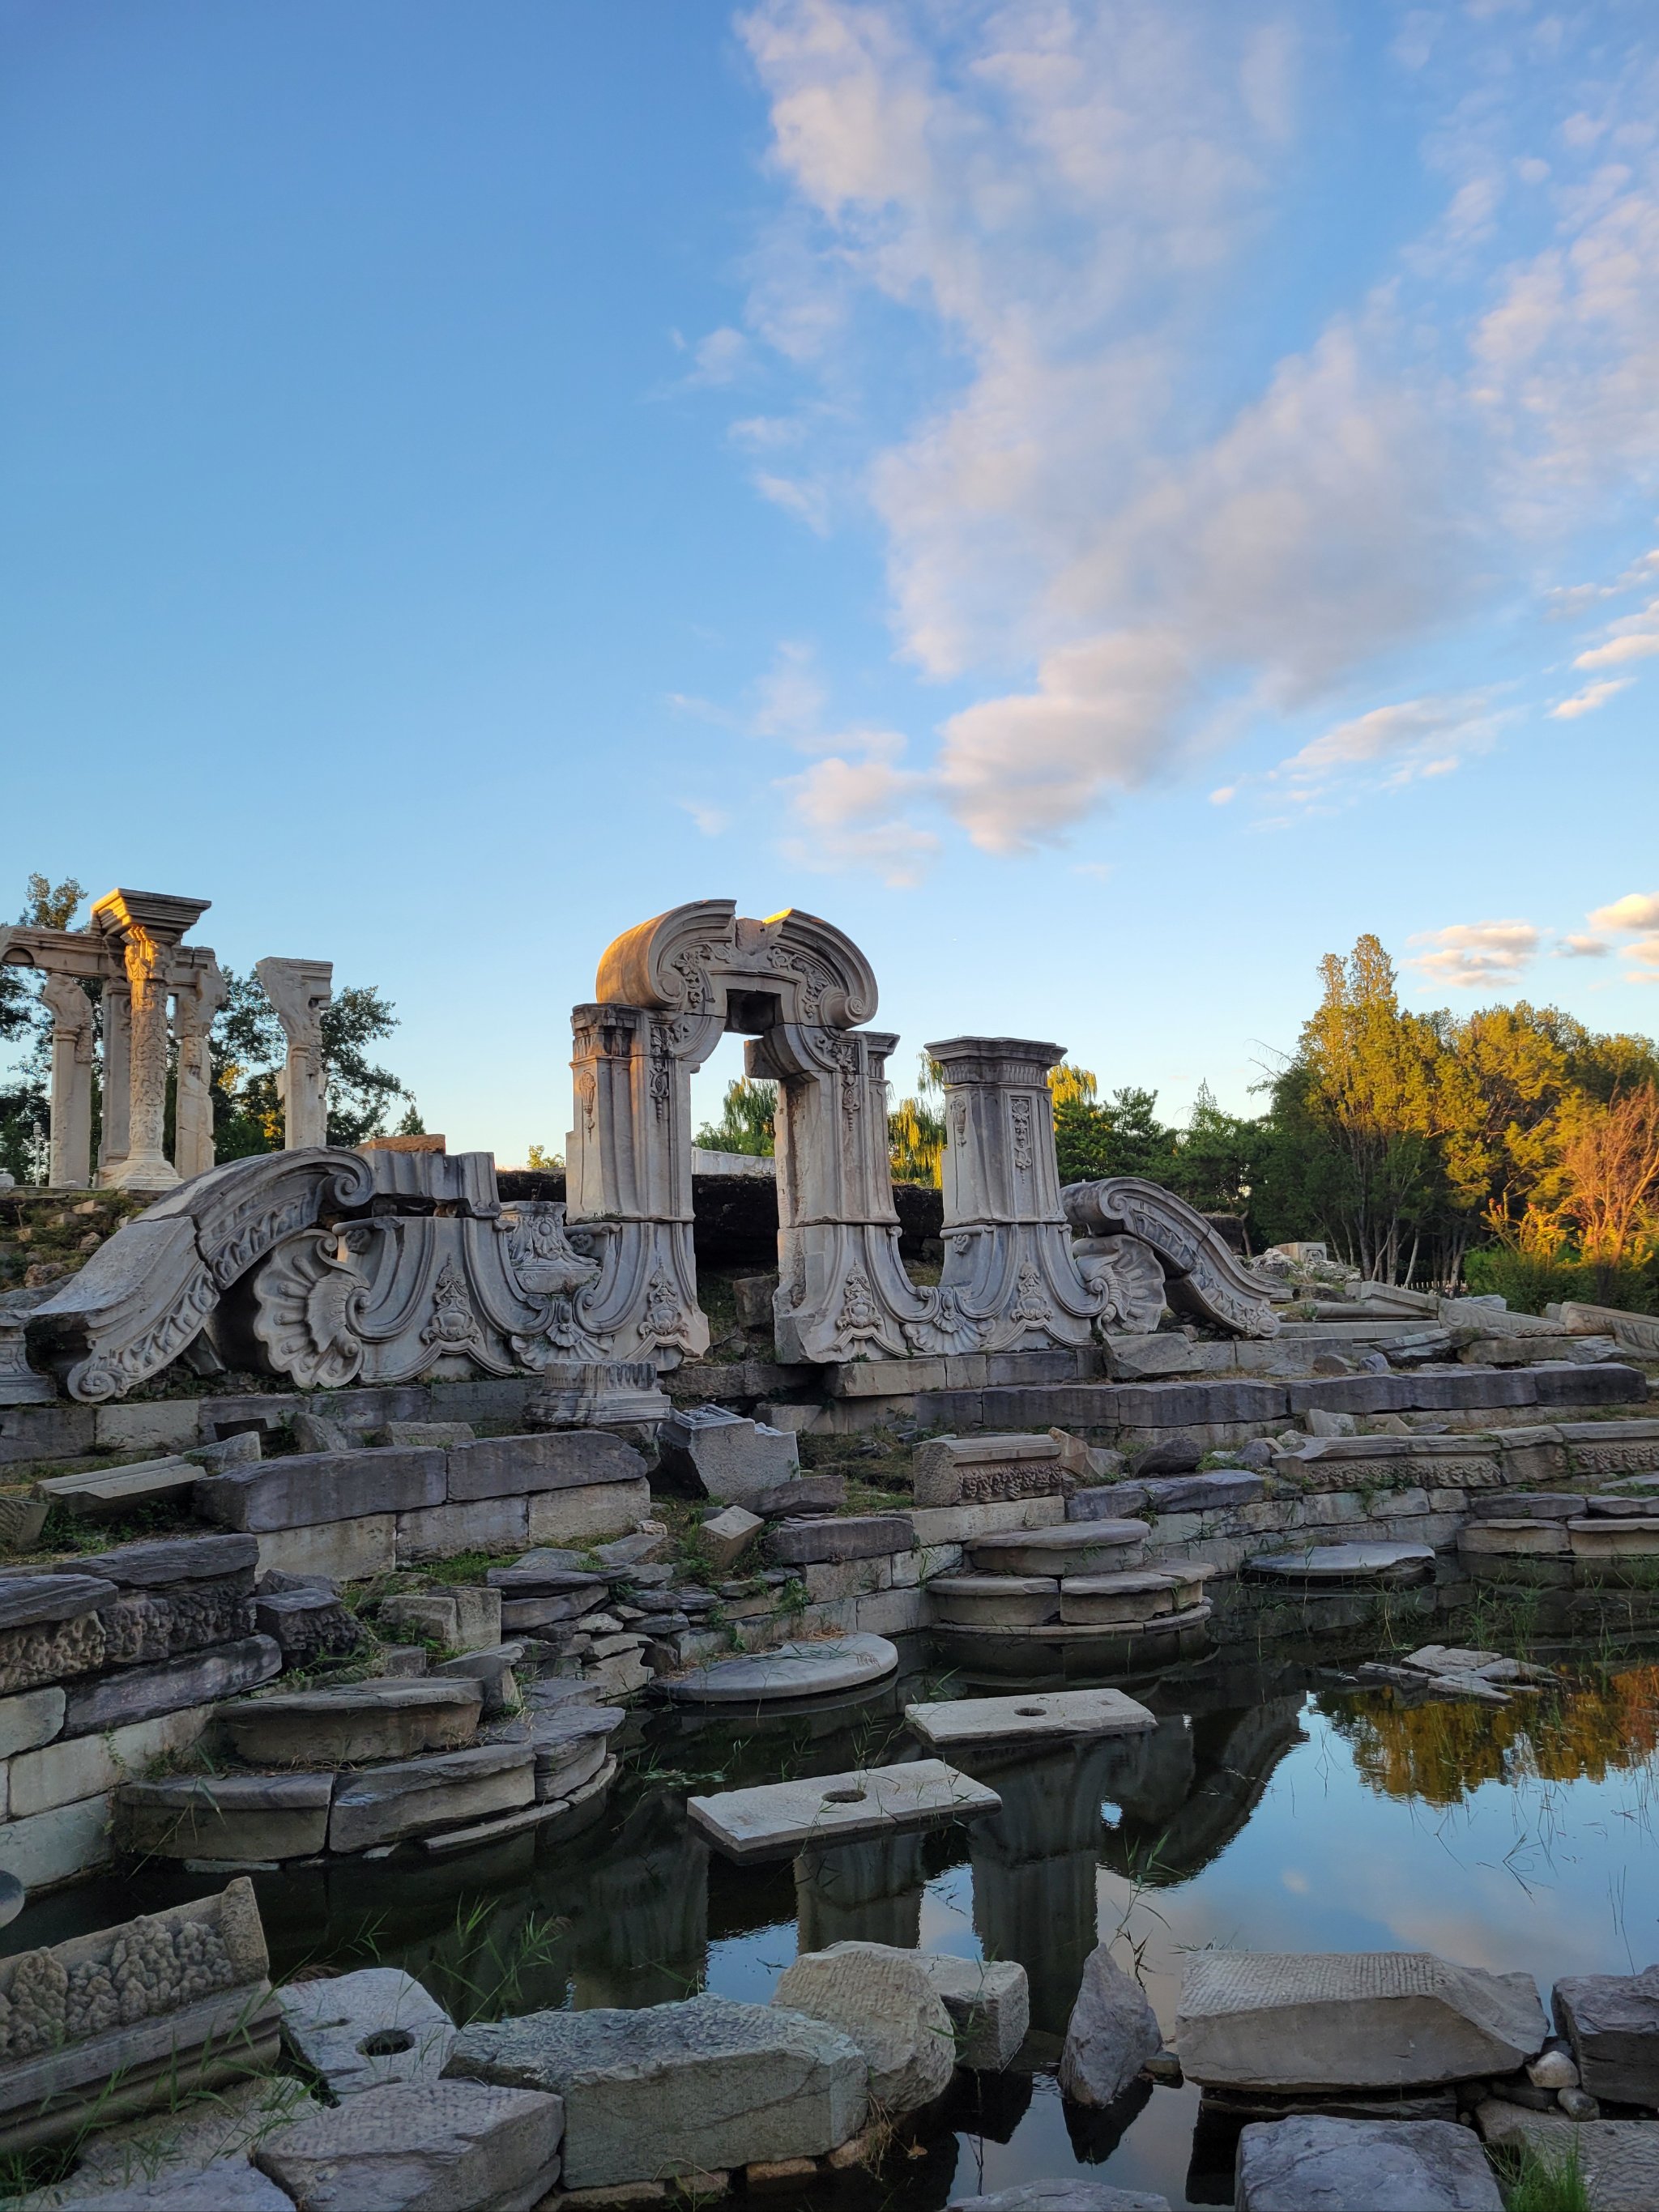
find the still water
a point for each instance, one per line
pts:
(1273, 1809)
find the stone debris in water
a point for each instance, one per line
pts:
(774, 1819)
(1617, 2159)
(1310, 2164)
(1045, 1715)
(1612, 2022)
(816, 1668)
(1111, 2034)
(885, 2001)
(1341, 2019)
(361, 2031)
(1062, 2197)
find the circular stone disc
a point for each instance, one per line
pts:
(794, 1670)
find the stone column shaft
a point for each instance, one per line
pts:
(118, 1080)
(199, 996)
(71, 1083)
(300, 989)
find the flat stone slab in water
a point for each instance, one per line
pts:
(1619, 2160)
(1347, 1563)
(1308, 2163)
(415, 2145)
(1334, 2019)
(792, 1670)
(1062, 2197)
(773, 1821)
(398, 1718)
(361, 2031)
(700, 2086)
(1044, 1715)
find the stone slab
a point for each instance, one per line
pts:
(86, 1766)
(981, 1470)
(360, 1721)
(883, 2000)
(960, 1524)
(178, 1559)
(560, 1459)
(1215, 1492)
(824, 1491)
(1504, 1536)
(775, 1819)
(343, 1551)
(33, 1717)
(312, 1487)
(1309, 2163)
(579, 1516)
(1045, 1715)
(829, 1665)
(1612, 2022)
(1528, 1505)
(31, 1601)
(361, 2031)
(695, 2087)
(52, 1848)
(989, 2004)
(140, 1693)
(716, 1454)
(853, 1536)
(995, 1600)
(451, 1790)
(422, 2146)
(225, 1816)
(1618, 2160)
(1140, 1594)
(1075, 2196)
(473, 1524)
(108, 1492)
(1346, 2020)
(1346, 1563)
(1075, 1547)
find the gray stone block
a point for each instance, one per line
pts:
(989, 2004)
(697, 2087)
(1527, 1505)
(307, 1624)
(562, 1459)
(854, 1536)
(1612, 2021)
(361, 2031)
(139, 1693)
(229, 2184)
(713, 1453)
(358, 1721)
(422, 2146)
(237, 1817)
(1107, 1501)
(1214, 1492)
(179, 1560)
(30, 1720)
(383, 1804)
(1112, 2032)
(1309, 2164)
(1062, 2197)
(1608, 1383)
(885, 2001)
(823, 1492)
(29, 1601)
(317, 1487)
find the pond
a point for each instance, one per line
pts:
(1272, 1808)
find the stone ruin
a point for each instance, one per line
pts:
(327, 1267)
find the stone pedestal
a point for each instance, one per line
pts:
(299, 990)
(867, 1892)
(1008, 1263)
(71, 1082)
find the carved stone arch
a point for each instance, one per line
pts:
(694, 960)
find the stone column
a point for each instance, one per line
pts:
(117, 1079)
(198, 994)
(147, 925)
(300, 989)
(71, 1082)
(1008, 1260)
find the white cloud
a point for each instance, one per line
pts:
(851, 812)
(1581, 947)
(1119, 545)
(1636, 910)
(713, 820)
(1587, 701)
(1633, 637)
(719, 358)
(1471, 953)
(790, 698)
(1645, 953)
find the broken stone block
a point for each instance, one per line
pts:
(492, 1671)
(824, 1491)
(1112, 2032)
(1222, 1488)
(1618, 2161)
(21, 1519)
(356, 1722)
(178, 1559)
(1062, 2197)
(361, 2031)
(143, 1694)
(422, 2146)
(229, 2184)
(1307, 2163)
(107, 1492)
(885, 2001)
(1612, 2022)
(31, 1601)
(32, 1719)
(451, 1790)
(700, 2086)
(315, 1432)
(986, 1470)
(713, 1453)
(314, 1487)
(418, 1434)
(727, 1536)
(563, 1459)
(989, 2001)
(774, 1820)
(1173, 1454)
(306, 1625)
(752, 1297)
(854, 1536)
(1344, 2020)
(1321, 1424)
(242, 1818)
(432, 1613)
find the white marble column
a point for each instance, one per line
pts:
(198, 994)
(300, 989)
(71, 1082)
(117, 1079)
(147, 925)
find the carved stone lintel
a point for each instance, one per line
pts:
(1202, 1275)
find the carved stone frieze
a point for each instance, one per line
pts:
(1127, 1278)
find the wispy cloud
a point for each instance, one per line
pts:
(1592, 696)
(1634, 637)
(1468, 954)
(850, 811)
(1579, 945)
(1636, 910)
(1392, 746)
(712, 821)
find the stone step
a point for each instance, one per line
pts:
(420, 1796)
(1346, 1564)
(398, 1718)
(239, 1817)
(106, 1491)
(954, 1722)
(1075, 1547)
(1126, 1600)
(776, 1819)
(1169, 1634)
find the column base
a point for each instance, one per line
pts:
(139, 1174)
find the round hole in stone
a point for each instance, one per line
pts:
(843, 1797)
(386, 2043)
(1029, 1712)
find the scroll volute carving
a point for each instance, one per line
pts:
(688, 960)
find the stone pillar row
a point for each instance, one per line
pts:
(134, 949)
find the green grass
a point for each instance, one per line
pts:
(1534, 2180)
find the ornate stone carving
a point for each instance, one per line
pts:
(147, 927)
(1200, 1274)
(299, 990)
(1127, 1278)
(199, 992)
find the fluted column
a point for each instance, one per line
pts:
(199, 993)
(71, 1082)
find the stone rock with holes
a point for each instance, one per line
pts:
(1309, 2164)
(422, 2146)
(887, 2002)
(1111, 2034)
(361, 2031)
(695, 2087)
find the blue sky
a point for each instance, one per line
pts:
(1106, 502)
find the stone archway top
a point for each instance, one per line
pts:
(695, 958)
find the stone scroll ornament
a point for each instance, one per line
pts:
(1200, 1275)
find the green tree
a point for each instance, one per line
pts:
(746, 1119)
(247, 1048)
